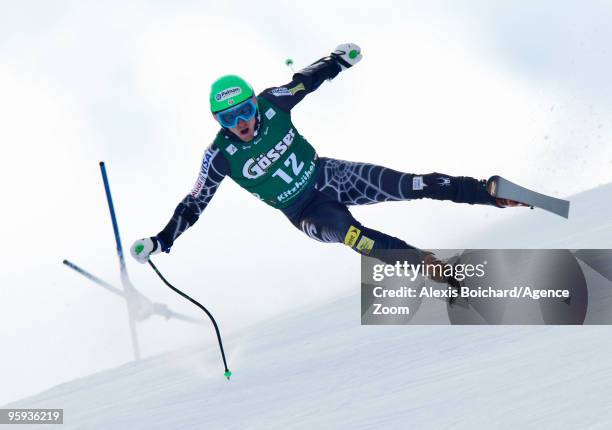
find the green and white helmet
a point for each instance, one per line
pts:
(228, 91)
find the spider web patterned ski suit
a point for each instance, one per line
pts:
(321, 210)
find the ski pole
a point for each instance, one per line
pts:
(227, 373)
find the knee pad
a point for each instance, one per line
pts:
(357, 240)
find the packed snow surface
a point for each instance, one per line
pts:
(319, 368)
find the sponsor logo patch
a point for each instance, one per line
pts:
(417, 183)
(351, 236)
(365, 245)
(281, 91)
(298, 87)
(231, 149)
(227, 93)
(255, 167)
(270, 113)
(206, 161)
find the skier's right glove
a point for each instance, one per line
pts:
(143, 248)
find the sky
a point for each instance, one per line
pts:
(466, 88)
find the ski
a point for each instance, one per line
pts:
(505, 189)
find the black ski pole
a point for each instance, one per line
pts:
(227, 373)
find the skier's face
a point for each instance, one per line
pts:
(245, 130)
(243, 116)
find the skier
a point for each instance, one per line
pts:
(259, 147)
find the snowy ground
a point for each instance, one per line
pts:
(320, 368)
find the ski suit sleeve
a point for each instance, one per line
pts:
(304, 82)
(213, 169)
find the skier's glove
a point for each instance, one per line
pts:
(347, 55)
(143, 248)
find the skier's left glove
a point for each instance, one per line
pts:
(347, 55)
(143, 248)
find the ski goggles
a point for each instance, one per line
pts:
(229, 117)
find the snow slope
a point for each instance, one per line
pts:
(319, 368)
